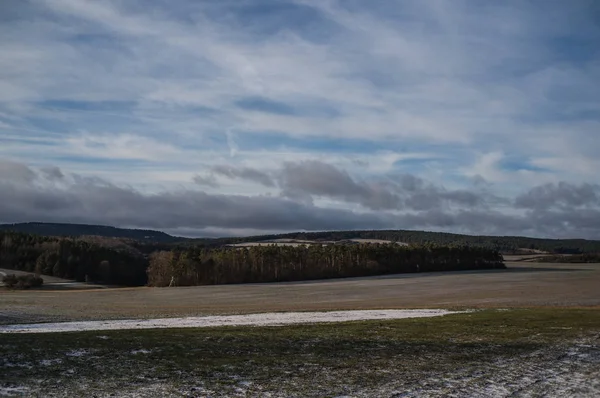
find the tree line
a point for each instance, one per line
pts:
(210, 266)
(71, 258)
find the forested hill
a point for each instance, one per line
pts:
(505, 244)
(53, 229)
(126, 261)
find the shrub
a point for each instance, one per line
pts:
(22, 281)
(10, 280)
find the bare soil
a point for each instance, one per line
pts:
(521, 285)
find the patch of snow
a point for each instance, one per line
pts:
(564, 370)
(17, 365)
(13, 390)
(50, 362)
(265, 319)
(141, 351)
(380, 241)
(555, 372)
(77, 353)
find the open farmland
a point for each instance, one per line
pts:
(530, 330)
(521, 285)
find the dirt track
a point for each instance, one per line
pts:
(522, 285)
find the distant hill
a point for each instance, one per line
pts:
(151, 238)
(504, 244)
(53, 229)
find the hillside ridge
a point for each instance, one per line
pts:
(506, 244)
(68, 229)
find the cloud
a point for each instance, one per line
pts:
(122, 146)
(396, 71)
(15, 172)
(52, 173)
(94, 200)
(208, 181)
(324, 102)
(35, 194)
(562, 195)
(264, 105)
(245, 173)
(315, 178)
(420, 194)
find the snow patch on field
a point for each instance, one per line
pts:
(266, 319)
(378, 241)
(50, 362)
(141, 351)
(13, 390)
(77, 353)
(550, 372)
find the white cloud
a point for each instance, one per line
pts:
(447, 92)
(125, 146)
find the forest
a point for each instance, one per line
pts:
(201, 266)
(112, 261)
(72, 258)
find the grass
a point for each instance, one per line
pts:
(303, 360)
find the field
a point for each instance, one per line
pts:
(531, 330)
(537, 352)
(521, 285)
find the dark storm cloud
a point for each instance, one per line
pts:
(304, 180)
(409, 183)
(418, 194)
(48, 195)
(208, 181)
(399, 192)
(463, 197)
(93, 200)
(15, 172)
(561, 194)
(316, 178)
(244, 173)
(470, 221)
(52, 173)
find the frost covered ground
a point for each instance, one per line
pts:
(558, 372)
(491, 353)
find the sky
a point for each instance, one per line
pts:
(244, 117)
